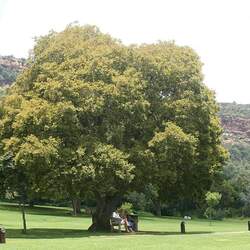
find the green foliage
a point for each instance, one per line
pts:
(178, 97)
(239, 153)
(138, 200)
(110, 170)
(10, 67)
(126, 208)
(2, 92)
(234, 180)
(7, 75)
(92, 117)
(209, 212)
(213, 199)
(234, 110)
(215, 214)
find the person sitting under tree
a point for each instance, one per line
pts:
(122, 220)
(130, 225)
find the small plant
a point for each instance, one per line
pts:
(212, 199)
(126, 208)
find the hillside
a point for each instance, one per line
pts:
(10, 67)
(235, 119)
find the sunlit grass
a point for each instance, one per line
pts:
(54, 228)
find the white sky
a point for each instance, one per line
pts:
(219, 30)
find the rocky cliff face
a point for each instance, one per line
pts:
(235, 119)
(10, 67)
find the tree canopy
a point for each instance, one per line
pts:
(91, 116)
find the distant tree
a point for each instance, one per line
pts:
(234, 180)
(234, 110)
(212, 199)
(18, 176)
(7, 75)
(138, 200)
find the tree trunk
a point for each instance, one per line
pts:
(76, 205)
(22, 207)
(158, 208)
(31, 203)
(101, 217)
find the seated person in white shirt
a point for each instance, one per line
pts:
(121, 219)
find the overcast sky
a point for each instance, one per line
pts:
(219, 30)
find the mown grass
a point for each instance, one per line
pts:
(55, 229)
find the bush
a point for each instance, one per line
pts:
(138, 200)
(126, 208)
(213, 214)
(232, 212)
(219, 214)
(246, 211)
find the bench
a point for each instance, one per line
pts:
(114, 222)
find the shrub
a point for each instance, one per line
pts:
(138, 200)
(219, 214)
(126, 208)
(246, 211)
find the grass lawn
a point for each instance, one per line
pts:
(54, 229)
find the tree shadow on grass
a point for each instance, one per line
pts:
(39, 210)
(57, 233)
(47, 233)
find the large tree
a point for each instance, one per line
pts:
(92, 116)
